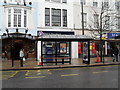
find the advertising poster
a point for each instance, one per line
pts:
(63, 48)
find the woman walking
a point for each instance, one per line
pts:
(21, 57)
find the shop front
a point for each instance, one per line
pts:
(12, 43)
(113, 41)
(108, 43)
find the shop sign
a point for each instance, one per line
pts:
(113, 35)
(40, 33)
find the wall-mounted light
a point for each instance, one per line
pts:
(7, 31)
(24, 4)
(26, 31)
(30, 3)
(5, 1)
(4, 34)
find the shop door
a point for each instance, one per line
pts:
(15, 51)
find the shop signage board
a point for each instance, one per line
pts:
(113, 35)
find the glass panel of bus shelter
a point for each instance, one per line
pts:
(85, 52)
(48, 47)
(48, 51)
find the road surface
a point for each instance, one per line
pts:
(87, 77)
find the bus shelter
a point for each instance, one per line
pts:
(57, 48)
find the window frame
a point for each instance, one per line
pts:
(16, 18)
(64, 14)
(96, 20)
(46, 17)
(95, 4)
(56, 16)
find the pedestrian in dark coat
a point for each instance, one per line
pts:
(115, 52)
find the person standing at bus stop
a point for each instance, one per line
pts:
(21, 57)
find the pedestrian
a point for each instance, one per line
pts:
(21, 57)
(115, 52)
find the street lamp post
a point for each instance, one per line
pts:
(82, 18)
(11, 45)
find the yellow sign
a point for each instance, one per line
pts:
(102, 38)
(90, 47)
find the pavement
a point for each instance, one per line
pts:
(32, 64)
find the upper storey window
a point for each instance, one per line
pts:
(95, 4)
(9, 17)
(117, 5)
(57, 1)
(18, 1)
(64, 1)
(105, 4)
(56, 17)
(17, 17)
(83, 1)
(47, 0)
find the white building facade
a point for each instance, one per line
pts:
(59, 17)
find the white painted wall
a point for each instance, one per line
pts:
(41, 15)
(90, 10)
(74, 49)
(39, 51)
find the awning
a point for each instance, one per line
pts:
(57, 37)
(17, 35)
(117, 37)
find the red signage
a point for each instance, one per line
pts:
(93, 48)
(79, 48)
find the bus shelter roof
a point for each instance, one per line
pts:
(55, 37)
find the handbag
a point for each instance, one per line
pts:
(23, 59)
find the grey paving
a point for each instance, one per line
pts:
(33, 64)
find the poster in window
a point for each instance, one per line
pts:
(63, 48)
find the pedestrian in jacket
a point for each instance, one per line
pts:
(21, 57)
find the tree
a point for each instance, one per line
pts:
(103, 22)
